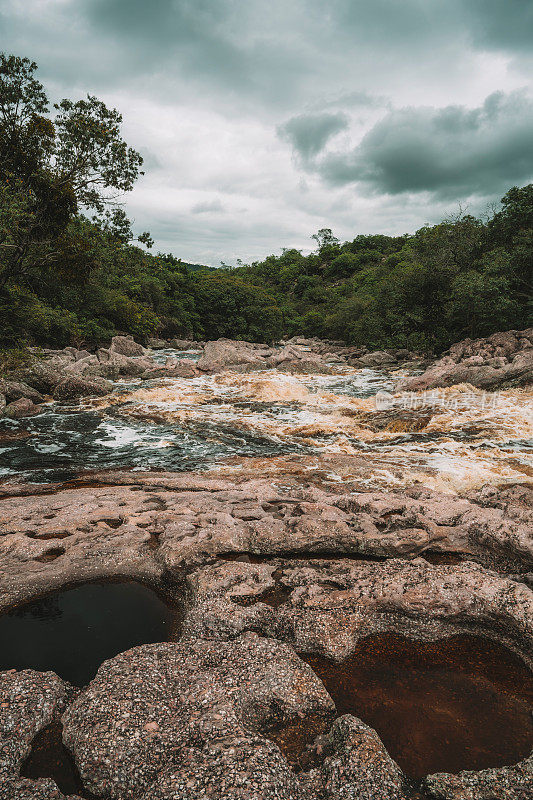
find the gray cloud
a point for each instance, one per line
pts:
(500, 24)
(208, 207)
(451, 152)
(220, 95)
(309, 133)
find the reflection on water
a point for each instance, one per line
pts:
(74, 631)
(459, 442)
(461, 703)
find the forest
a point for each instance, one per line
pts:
(72, 272)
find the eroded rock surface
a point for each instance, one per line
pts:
(146, 526)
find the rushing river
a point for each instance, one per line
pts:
(452, 440)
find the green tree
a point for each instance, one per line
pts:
(50, 168)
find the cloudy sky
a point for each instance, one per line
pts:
(261, 121)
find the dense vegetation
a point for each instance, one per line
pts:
(70, 271)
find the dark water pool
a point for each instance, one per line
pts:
(74, 631)
(460, 703)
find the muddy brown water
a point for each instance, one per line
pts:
(72, 632)
(464, 702)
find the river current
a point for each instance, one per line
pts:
(451, 440)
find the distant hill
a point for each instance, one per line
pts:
(196, 267)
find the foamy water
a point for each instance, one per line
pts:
(451, 440)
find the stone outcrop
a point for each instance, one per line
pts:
(501, 359)
(263, 574)
(145, 525)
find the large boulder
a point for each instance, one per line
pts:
(171, 720)
(126, 346)
(184, 344)
(173, 368)
(157, 344)
(40, 376)
(379, 358)
(14, 390)
(114, 365)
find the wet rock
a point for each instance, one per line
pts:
(157, 344)
(19, 409)
(173, 718)
(126, 346)
(501, 359)
(505, 783)
(29, 701)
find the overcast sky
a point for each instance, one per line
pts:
(261, 121)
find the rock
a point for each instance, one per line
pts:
(157, 344)
(2, 403)
(114, 365)
(331, 605)
(185, 368)
(184, 344)
(73, 386)
(19, 409)
(505, 783)
(14, 390)
(214, 704)
(29, 701)
(240, 767)
(40, 376)
(105, 529)
(228, 353)
(500, 359)
(361, 768)
(126, 346)
(378, 358)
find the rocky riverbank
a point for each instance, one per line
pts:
(283, 568)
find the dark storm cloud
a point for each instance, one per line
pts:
(309, 133)
(450, 152)
(500, 24)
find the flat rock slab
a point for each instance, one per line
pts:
(149, 526)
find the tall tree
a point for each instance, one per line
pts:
(52, 167)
